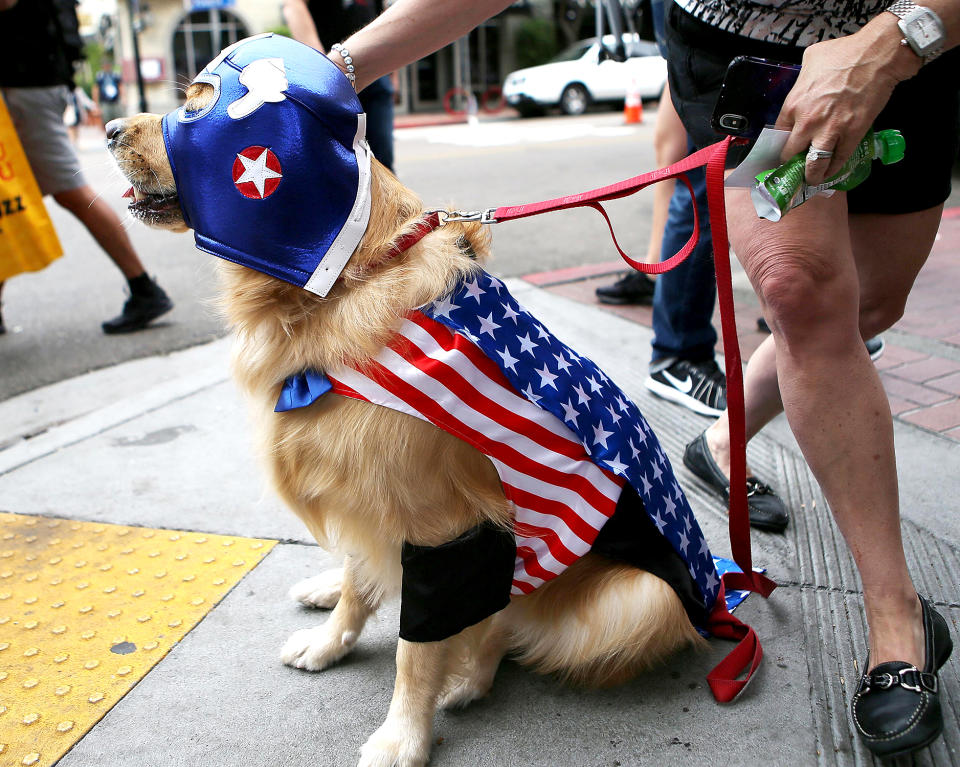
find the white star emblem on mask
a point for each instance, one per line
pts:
(256, 171)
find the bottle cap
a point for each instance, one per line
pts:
(893, 146)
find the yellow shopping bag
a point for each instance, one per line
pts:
(28, 241)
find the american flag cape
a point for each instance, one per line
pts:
(562, 436)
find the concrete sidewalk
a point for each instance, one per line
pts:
(161, 445)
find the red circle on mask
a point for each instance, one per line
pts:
(258, 174)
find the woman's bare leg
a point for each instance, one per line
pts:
(810, 283)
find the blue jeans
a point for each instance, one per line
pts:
(377, 101)
(684, 298)
(658, 13)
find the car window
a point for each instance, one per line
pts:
(572, 53)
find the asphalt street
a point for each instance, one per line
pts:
(53, 317)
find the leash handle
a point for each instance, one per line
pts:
(732, 674)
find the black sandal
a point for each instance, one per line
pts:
(896, 708)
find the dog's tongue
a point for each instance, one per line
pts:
(128, 193)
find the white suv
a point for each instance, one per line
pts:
(580, 75)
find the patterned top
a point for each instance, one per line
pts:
(787, 22)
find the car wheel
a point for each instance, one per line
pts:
(574, 100)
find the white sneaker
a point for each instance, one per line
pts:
(699, 386)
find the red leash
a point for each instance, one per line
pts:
(744, 659)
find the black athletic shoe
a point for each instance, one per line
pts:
(634, 288)
(767, 511)
(139, 311)
(875, 347)
(700, 386)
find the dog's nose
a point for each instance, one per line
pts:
(113, 127)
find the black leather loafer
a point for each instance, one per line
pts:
(896, 708)
(767, 510)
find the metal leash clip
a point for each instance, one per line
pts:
(450, 216)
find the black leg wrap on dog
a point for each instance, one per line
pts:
(449, 587)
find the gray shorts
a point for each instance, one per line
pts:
(110, 110)
(38, 118)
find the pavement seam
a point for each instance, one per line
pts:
(852, 592)
(98, 421)
(173, 529)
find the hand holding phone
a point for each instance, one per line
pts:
(752, 95)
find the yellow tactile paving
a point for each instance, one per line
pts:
(86, 610)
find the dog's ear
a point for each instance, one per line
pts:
(198, 97)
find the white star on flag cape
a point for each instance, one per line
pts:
(527, 345)
(509, 360)
(570, 412)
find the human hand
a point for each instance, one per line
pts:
(842, 87)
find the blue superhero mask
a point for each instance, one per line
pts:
(274, 173)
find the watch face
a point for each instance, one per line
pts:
(923, 31)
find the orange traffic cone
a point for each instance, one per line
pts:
(633, 105)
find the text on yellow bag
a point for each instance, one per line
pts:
(28, 241)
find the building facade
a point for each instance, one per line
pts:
(176, 38)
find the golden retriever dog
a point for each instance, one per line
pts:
(365, 479)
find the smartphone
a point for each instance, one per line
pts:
(752, 95)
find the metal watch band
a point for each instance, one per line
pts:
(902, 9)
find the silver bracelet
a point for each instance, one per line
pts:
(348, 62)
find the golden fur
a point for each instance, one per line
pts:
(364, 479)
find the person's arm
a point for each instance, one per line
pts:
(409, 30)
(85, 102)
(845, 83)
(298, 18)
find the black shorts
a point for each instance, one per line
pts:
(925, 109)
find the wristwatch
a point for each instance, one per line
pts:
(922, 29)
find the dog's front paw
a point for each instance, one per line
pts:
(320, 591)
(394, 746)
(315, 649)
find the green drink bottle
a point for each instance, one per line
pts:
(777, 191)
